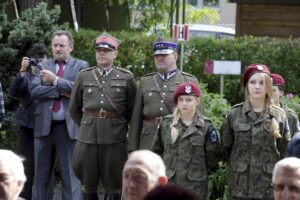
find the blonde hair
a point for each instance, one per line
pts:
(274, 132)
(176, 116)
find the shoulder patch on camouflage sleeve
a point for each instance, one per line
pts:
(88, 69)
(213, 136)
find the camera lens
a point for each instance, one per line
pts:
(33, 62)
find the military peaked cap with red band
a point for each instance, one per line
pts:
(186, 88)
(107, 41)
(253, 69)
(277, 80)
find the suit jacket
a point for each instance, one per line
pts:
(20, 88)
(46, 95)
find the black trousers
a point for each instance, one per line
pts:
(26, 150)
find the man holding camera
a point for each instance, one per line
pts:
(55, 133)
(20, 88)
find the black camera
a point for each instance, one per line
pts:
(35, 62)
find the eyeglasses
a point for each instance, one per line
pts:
(291, 188)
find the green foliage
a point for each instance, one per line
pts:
(8, 133)
(215, 107)
(218, 183)
(149, 13)
(292, 103)
(197, 16)
(34, 25)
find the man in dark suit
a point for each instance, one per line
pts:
(55, 131)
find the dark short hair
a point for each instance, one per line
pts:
(37, 49)
(62, 32)
(173, 192)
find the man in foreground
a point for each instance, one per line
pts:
(143, 171)
(12, 177)
(286, 179)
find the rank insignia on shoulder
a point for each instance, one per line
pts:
(213, 136)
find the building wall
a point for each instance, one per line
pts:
(268, 20)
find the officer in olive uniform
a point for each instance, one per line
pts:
(188, 142)
(254, 136)
(101, 104)
(155, 93)
(278, 91)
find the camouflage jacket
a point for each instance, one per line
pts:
(188, 157)
(250, 151)
(149, 104)
(292, 119)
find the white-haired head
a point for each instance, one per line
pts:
(11, 167)
(290, 163)
(153, 162)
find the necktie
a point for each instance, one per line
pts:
(103, 73)
(60, 73)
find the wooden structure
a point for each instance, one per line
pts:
(276, 18)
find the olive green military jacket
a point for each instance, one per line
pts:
(119, 88)
(292, 119)
(189, 155)
(149, 104)
(250, 151)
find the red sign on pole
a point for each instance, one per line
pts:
(181, 32)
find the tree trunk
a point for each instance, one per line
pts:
(74, 15)
(16, 9)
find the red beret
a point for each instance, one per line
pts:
(253, 69)
(277, 80)
(186, 88)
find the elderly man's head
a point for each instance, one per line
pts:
(142, 172)
(12, 177)
(286, 179)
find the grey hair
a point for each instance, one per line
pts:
(290, 163)
(13, 162)
(151, 160)
(62, 32)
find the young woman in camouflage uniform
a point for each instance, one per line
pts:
(278, 92)
(254, 136)
(187, 141)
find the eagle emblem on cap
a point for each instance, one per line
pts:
(259, 67)
(188, 89)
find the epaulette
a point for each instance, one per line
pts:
(88, 69)
(187, 74)
(207, 119)
(150, 74)
(124, 70)
(237, 105)
(292, 111)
